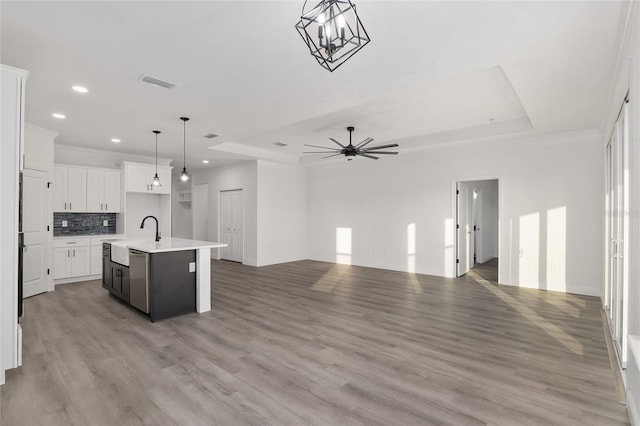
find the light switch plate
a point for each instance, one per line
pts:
(105, 223)
(192, 266)
(64, 223)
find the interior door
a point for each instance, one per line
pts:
(35, 220)
(231, 224)
(200, 209)
(463, 228)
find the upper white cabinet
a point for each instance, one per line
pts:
(69, 189)
(103, 190)
(139, 178)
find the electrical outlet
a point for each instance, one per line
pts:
(64, 224)
(105, 223)
(192, 266)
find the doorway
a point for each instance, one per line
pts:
(232, 225)
(477, 219)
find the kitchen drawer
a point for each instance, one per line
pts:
(97, 241)
(71, 242)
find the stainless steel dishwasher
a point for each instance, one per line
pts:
(139, 280)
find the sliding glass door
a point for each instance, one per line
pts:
(617, 231)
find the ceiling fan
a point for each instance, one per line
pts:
(350, 150)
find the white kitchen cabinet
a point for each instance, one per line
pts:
(70, 189)
(139, 178)
(71, 257)
(103, 191)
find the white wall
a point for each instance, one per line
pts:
(282, 213)
(237, 176)
(181, 213)
(551, 212)
(138, 206)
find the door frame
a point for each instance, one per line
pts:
(220, 191)
(454, 215)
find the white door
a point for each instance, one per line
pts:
(95, 189)
(60, 189)
(77, 189)
(112, 191)
(80, 261)
(61, 263)
(463, 228)
(231, 224)
(36, 217)
(200, 209)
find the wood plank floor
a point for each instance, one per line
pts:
(317, 343)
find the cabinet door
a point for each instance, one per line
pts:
(77, 189)
(60, 189)
(96, 260)
(107, 277)
(116, 279)
(61, 263)
(95, 190)
(80, 261)
(139, 177)
(112, 191)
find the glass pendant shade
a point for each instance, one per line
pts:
(156, 180)
(332, 31)
(184, 176)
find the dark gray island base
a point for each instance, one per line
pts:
(162, 285)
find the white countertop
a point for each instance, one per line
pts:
(169, 244)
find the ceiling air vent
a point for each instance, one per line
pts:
(211, 136)
(156, 82)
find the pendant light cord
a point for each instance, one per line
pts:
(184, 145)
(156, 154)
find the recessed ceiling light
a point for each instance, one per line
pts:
(205, 161)
(80, 89)
(116, 140)
(58, 115)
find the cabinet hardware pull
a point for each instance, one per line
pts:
(100, 206)
(71, 242)
(68, 253)
(106, 206)
(74, 252)
(65, 205)
(70, 205)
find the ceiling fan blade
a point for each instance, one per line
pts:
(332, 139)
(369, 156)
(382, 152)
(364, 142)
(322, 152)
(391, 145)
(329, 156)
(322, 147)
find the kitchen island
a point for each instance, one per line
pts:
(162, 279)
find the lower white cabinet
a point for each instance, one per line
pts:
(79, 257)
(72, 261)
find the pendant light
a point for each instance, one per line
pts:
(156, 178)
(184, 176)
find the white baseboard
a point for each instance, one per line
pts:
(77, 279)
(632, 410)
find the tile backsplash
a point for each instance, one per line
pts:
(83, 224)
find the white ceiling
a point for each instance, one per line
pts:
(434, 72)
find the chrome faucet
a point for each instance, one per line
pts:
(154, 218)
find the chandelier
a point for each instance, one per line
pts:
(332, 31)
